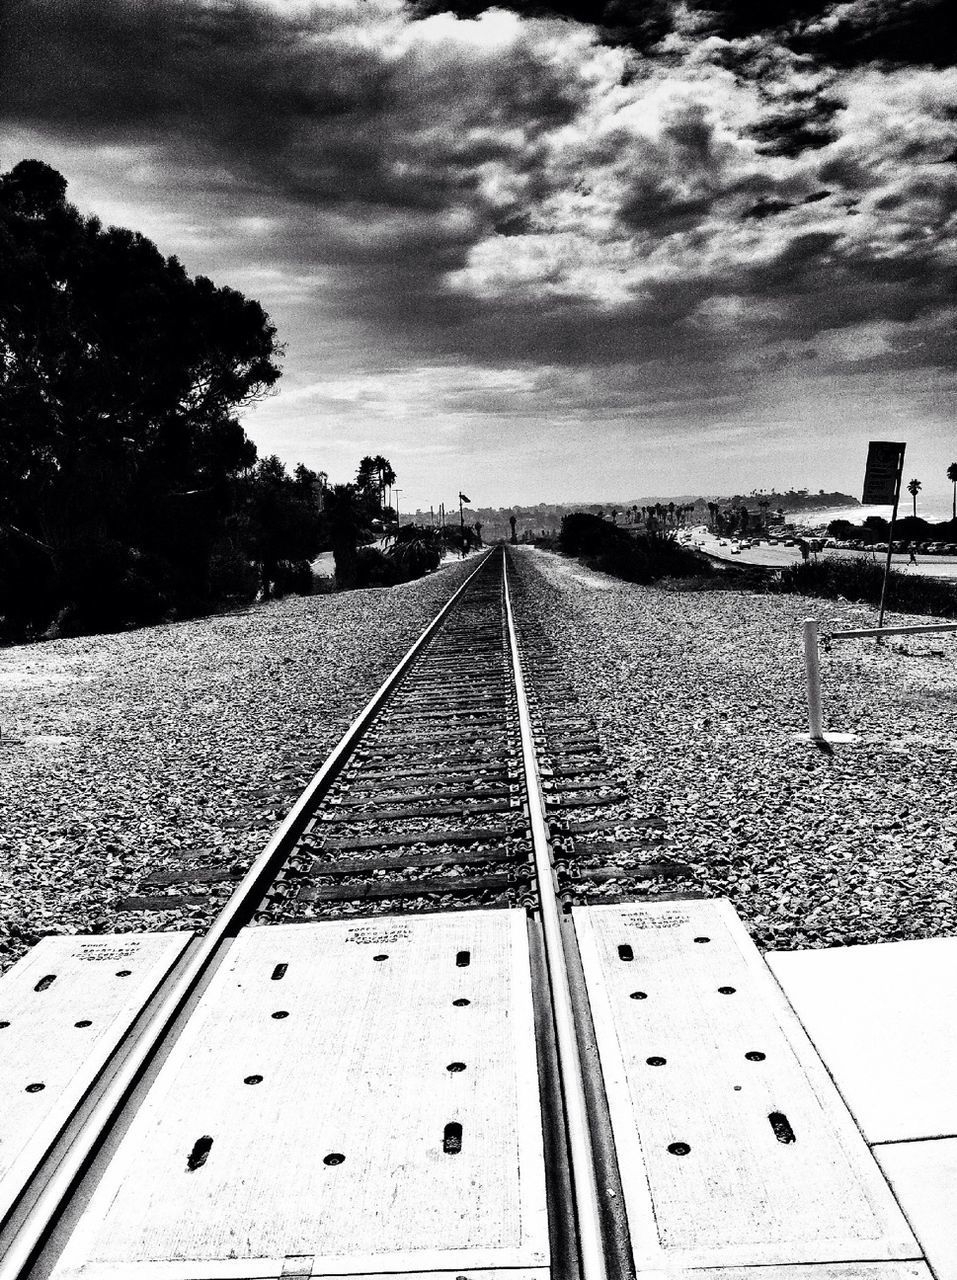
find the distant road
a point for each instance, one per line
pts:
(779, 556)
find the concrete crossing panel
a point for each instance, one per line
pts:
(884, 1019)
(924, 1178)
(819, 1271)
(64, 1008)
(733, 1145)
(348, 1099)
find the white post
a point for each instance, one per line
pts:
(813, 667)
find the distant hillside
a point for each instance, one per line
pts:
(793, 500)
(547, 516)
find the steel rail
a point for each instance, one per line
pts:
(45, 1209)
(584, 1183)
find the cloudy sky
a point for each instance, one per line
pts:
(681, 248)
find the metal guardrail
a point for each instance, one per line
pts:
(891, 631)
(812, 663)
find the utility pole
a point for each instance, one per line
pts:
(462, 499)
(396, 492)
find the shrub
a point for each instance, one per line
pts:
(232, 577)
(415, 551)
(293, 577)
(374, 569)
(611, 550)
(855, 578)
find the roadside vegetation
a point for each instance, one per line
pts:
(610, 549)
(860, 580)
(410, 552)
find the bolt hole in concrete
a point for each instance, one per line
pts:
(252, 1080)
(334, 1157)
(727, 991)
(702, 939)
(452, 1139)
(380, 957)
(279, 972)
(35, 1088)
(455, 1066)
(638, 995)
(197, 1157)
(46, 981)
(463, 959)
(280, 1013)
(84, 1022)
(4, 1024)
(123, 973)
(755, 1055)
(461, 1002)
(625, 952)
(678, 1148)
(656, 1061)
(782, 1129)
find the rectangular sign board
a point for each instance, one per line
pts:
(885, 464)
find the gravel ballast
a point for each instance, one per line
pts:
(184, 741)
(700, 697)
(151, 747)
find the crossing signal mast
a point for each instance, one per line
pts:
(462, 499)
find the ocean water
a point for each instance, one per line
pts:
(934, 509)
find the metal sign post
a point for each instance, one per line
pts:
(882, 484)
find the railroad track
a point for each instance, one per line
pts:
(431, 802)
(471, 786)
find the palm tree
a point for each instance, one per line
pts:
(385, 476)
(366, 474)
(913, 488)
(952, 475)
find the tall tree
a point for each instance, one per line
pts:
(283, 525)
(385, 476)
(952, 476)
(913, 488)
(119, 379)
(367, 480)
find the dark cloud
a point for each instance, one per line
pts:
(766, 208)
(320, 121)
(844, 34)
(803, 126)
(895, 32)
(640, 24)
